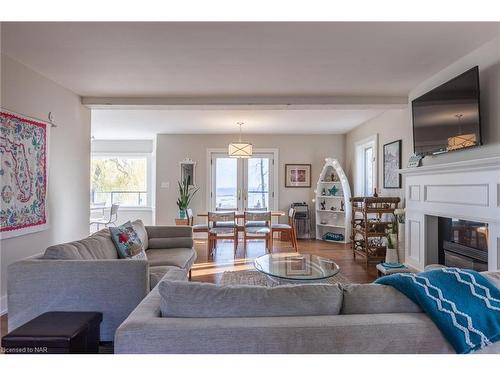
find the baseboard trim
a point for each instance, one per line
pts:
(3, 305)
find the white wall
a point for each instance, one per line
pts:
(390, 126)
(487, 57)
(304, 149)
(125, 214)
(397, 124)
(26, 91)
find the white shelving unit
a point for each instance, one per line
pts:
(333, 219)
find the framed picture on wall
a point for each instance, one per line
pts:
(392, 162)
(298, 175)
(187, 171)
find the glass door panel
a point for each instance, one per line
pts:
(257, 183)
(226, 184)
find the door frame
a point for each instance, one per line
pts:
(276, 164)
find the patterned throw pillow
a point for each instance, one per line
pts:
(127, 242)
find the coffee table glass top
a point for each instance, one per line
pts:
(294, 266)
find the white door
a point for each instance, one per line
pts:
(242, 184)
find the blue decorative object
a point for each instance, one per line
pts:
(462, 303)
(127, 242)
(333, 191)
(333, 236)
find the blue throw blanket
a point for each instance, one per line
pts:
(462, 303)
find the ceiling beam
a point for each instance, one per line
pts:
(248, 102)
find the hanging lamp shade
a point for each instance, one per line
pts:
(240, 149)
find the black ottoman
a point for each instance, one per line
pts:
(56, 332)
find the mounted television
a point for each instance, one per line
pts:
(447, 118)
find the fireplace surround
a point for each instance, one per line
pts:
(466, 190)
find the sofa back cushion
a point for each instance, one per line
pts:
(97, 246)
(206, 300)
(169, 236)
(375, 299)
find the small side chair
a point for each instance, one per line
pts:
(221, 225)
(288, 228)
(111, 220)
(258, 225)
(197, 228)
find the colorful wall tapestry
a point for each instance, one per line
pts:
(23, 175)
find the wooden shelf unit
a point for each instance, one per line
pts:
(369, 226)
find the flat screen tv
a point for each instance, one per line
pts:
(447, 118)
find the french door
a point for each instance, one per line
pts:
(242, 184)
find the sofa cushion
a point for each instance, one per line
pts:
(97, 246)
(170, 272)
(206, 300)
(179, 257)
(140, 229)
(375, 299)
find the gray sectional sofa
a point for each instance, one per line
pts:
(367, 318)
(87, 275)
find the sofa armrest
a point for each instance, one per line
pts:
(169, 236)
(112, 286)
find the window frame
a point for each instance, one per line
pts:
(360, 166)
(149, 176)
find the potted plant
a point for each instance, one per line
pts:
(186, 194)
(391, 255)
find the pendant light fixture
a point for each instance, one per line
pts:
(240, 149)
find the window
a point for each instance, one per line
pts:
(119, 179)
(366, 166)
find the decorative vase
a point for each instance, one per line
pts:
(401, 242)
(182, 214)
(391, 253)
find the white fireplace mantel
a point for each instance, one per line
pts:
(467, 190)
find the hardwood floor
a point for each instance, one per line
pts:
(208, 269)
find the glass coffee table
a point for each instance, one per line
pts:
(296, 268)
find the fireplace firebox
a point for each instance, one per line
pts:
(463, 243)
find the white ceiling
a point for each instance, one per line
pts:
(246, 59)
(313, 62)
(143, 124)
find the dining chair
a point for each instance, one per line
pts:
(288, 228)
(111, 220)
(221, 225)
(197, 228)
(257, 224)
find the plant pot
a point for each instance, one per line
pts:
(182, 214)
(391, 255)
(401, 242)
